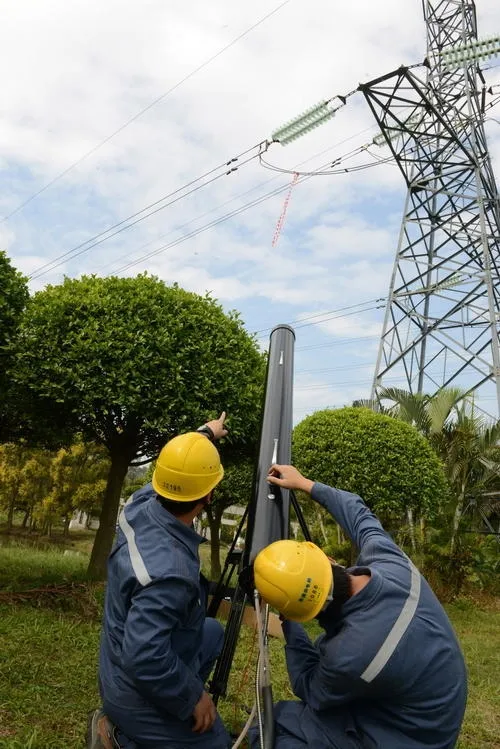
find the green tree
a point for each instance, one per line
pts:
(385, 461)
(469, 449)
(13, 299)
(12, 460)
(24, 480)
(429, 414)
(130, 362)
(78, 479)
(35, 490)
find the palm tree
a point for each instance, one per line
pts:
(428, 414)
(467, 445)
(469, 449)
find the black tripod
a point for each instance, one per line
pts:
(240, 596)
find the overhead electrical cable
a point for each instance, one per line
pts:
(336, 317)
(338, 342)
(325, 370)
(284, 135)
(222, 170)
(238, 197)
(341, 316)
(331, 171)
(147, 211)
(326, 385)
(205, 227)
(146, 109)
(215, 222)
(297, 323)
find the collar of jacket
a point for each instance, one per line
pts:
(332, 617)
(184, 533)
(367, 595)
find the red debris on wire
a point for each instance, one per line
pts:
(281, 220)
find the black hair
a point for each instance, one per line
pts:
(178, 508)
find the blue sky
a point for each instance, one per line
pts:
(76, 72)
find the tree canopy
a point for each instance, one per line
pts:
(129, 363)
(383, 460)
(13, 298)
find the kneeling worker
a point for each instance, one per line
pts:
(157, 646)
(388, 672)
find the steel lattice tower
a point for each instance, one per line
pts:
(442, 321)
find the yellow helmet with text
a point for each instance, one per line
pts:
(294, 577)
(187, 468)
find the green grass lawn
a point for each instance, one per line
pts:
(49, 646)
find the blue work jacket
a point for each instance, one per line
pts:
(390, 663)
(154, 611)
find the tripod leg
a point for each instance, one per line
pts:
(300, 516)
(218, 684)
(224, 580)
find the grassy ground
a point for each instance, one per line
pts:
(49, 645)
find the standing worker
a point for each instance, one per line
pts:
(388, 672)
(157, 646)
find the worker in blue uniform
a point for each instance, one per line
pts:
(157, 646)
(387, 673)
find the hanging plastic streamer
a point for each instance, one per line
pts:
(281, 220)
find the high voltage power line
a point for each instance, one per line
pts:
(304, 322)
(182, 192)
(223, 170)
(238, 196)
(145, 109)
(338, 342)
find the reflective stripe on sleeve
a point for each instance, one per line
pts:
(137, 561)
(399, 628)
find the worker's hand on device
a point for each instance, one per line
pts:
(289, 478)
(204, 713)
(217, 426)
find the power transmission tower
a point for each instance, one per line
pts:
(442, 322)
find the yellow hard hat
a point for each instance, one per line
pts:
(295, 577)
(187, 468)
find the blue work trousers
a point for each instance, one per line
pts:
(298, 727)
(146, 728)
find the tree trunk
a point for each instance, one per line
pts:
(423, 530)
(411, 527)
(10, 516)
(26, 517)
(456, 519)
(67, 520)
(214, 521)
(120, 460)
(322, 526)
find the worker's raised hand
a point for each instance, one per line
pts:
(217, 426)
(204, 713)
(289, 478)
